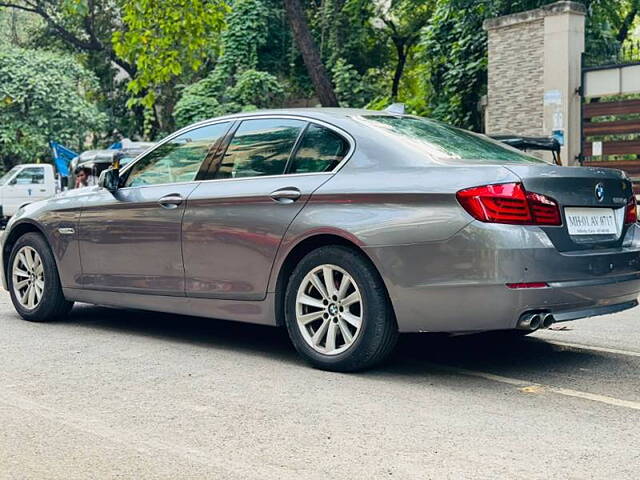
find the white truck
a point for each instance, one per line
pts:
(25, 183)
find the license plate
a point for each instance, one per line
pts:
(591, 221)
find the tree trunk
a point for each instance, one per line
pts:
(402, 51)
(310, 54)
(7, 163)
(628, 22)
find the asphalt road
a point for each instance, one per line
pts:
(124, 394)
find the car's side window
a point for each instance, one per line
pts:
(259, 147)
(320, 150)
(29, 176)
(177, 160)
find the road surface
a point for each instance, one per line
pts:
(125, 394)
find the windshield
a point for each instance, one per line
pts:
(448, 143)
(5, 178)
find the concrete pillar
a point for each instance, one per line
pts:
(534, 74)
(563, 47)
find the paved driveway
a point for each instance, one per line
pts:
(123, 394)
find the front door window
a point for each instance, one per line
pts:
(177, 160)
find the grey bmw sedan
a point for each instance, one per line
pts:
(345, 226)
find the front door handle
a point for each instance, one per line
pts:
(286, 195)
(171, 201)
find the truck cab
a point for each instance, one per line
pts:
(25, 183)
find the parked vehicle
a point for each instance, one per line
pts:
(544, 144)
(347, 226)
(97, 161)
(25, 183)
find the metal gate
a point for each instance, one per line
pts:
(611, 118)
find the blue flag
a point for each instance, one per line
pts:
(62, 157)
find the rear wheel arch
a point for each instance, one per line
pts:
(298, 252)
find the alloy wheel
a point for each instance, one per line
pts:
(329, 309)
(28, 277)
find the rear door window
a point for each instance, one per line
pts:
(259, 147)
(320, 150)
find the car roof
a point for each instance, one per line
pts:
(337, 116)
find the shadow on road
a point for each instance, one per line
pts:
(416, 353)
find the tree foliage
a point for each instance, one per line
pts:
(235, 83)
(165, 38)
(185, 60)
(84, 26)
(454, 48)
(43, 96)
(402, 21)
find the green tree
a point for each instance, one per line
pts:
(84, 25)
(43, 96)
(454, 48)
(236, 83)
(253, 89)
(84, 29)
(164, 39)
(609, 26)
(310, 53)
(401, 21)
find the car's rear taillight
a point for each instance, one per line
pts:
(509, 203)
(631, 212)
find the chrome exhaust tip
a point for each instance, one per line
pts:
(548, 320)
(530, 321)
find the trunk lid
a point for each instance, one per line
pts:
(576, 187)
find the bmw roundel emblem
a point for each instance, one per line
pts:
(600, 192)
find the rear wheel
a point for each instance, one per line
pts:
(337, 312)
(34, 284)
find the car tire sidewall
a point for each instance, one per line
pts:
(376, 311)
(50, 300)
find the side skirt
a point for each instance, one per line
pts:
(259, 311)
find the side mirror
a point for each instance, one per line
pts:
(109, 179)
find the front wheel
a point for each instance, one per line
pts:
(337, 311)
(33, 281)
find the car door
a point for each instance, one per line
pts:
(27, 186)
(234, 221)
(130, 240)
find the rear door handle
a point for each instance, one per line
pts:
(171, 201)
(286, 195)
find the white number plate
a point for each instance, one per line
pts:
(591, 221)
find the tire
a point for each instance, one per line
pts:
(339, 333)
(51, 304)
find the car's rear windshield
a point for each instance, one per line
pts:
(448, 143)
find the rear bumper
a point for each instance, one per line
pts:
(460, 285)
(594, 311)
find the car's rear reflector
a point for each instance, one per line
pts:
(509, 203)
(528, 285)
(631, 213)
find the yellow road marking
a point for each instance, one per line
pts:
(538, 387)
(532, 389)
(579, 346)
